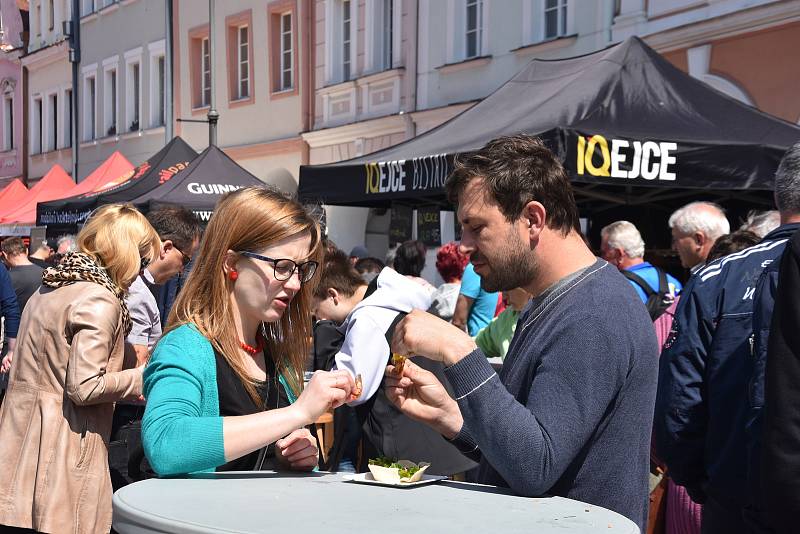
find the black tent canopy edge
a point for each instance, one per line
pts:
(421, 190)
(725, 146)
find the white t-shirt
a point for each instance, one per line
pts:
(146, 318)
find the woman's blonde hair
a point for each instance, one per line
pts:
(250, 219)
(118, 236)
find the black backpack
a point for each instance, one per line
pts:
(657, 301)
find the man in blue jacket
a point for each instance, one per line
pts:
(705, 373)
(787, 197)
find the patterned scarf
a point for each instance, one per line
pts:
(80, 267)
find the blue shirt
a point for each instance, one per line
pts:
(484, 303)
(650, 275)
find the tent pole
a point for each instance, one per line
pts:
(213, 116)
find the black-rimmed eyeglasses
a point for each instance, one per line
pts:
(284, 268)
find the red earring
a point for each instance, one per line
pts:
(233, 275)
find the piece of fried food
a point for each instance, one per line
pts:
(356, 393)
(399, 361)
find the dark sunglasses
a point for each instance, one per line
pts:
(184, 258)
(284, 268)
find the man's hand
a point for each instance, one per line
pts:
(6, 365)
(297, 451)
(420, 395)
(420, 333)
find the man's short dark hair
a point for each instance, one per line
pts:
(338, 273)
(369, 265)
(518, 169)
(410, 258)
(13, 246)
(730, 243)
(176, 224)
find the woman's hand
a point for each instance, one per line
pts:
(6, 365)
(325, 391)
(297, 451)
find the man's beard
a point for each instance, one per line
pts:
(513, 267)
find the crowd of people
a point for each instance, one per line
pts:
(535, 365)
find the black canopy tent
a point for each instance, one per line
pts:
(631, 129)
(65, 215)
(200, 186)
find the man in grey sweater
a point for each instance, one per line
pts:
(571, 412)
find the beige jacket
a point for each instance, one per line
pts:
(55, 420)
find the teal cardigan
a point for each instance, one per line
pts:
(182, 428)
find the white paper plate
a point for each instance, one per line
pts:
(366, 478)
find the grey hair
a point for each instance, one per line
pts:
(73, 242)
(624, 235)
(787, 181)
(761, 222)
(705, 217)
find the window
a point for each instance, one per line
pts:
(136, 92)
(243, 63)
(87, 7)
(200, 66)
(52, 132)
(51, 14)
(474, 28)
(68, 118)
(555, 18)
(36, 126)
(205, 77)
(346, 39)
(287, 53)
(160, 91)
(8, 123)
(90, 113)
(110, 102)
(387, 34)
(38, 20)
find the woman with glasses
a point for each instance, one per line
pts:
(224, 386)
(66, 375)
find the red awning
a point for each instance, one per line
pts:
(110, 172)
(55, 184)
(12, 195)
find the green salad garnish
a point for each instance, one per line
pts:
(405, 472)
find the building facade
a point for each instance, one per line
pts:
(747, 49)
(260, 68)
(123, 81)
(48, 89)
(386, 70)
(11, 119)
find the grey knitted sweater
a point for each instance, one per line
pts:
(571, 412)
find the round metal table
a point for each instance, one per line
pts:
(249, 502)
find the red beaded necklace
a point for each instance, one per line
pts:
(252, 351)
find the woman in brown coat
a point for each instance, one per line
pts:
(65, 377)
